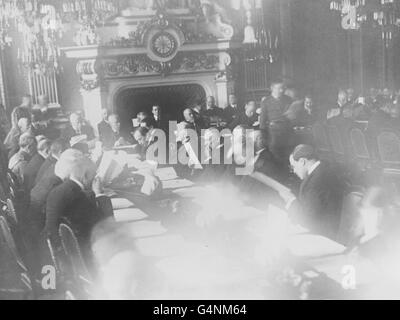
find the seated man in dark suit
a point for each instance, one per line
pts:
(189, 122)
(247, 119)
(61, 171)
(319, 203)
(213, 114)
(56, 149)
(161, 120)
(77, 128)
(232, 111)
(75, 201)
(103, 125)
(302, 112)
(199, 115)
(34, 165)
(112, 136)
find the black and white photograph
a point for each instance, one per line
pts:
(227, 151)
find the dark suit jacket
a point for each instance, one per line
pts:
(243, 120)
(162, 123)
(31, 171)
(102, 127)
(39, 195)
(69, 132)
(69, 202)
(299, 116)
(46, 169)
(213, 114)
(109, 138)
(231, 113)
(320, 201)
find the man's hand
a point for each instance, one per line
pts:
(120, 142)
(97, 186)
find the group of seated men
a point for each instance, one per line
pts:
(58, 175)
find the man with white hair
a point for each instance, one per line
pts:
(41, 190)
(74, 200)
(32, 168)
(19, 161)
(77, 131)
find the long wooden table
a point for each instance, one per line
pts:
(203, 242)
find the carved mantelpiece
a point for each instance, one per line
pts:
(160, 49)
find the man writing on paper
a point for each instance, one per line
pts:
(319, 203)
(112, 137)
(77, 131)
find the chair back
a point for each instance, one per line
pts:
(73, 252)
(9, 240)
(321, 140)
(9, 250)
(12, 180)
(11, 212)
(389, 149)
(359, 150)
(336, 141)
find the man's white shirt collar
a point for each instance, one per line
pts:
(313, 167)
(78, 183)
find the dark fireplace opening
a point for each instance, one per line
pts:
(173, 100)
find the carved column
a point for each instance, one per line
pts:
(224, 81)
(90, 91)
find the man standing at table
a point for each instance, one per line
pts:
(319, 203)
(275, 123)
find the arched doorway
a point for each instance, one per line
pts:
(173, 100)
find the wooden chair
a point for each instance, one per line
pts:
(388, 143)
(337, 142)
(359, 150)
(23, 286)
(81, 275)
(321, 141)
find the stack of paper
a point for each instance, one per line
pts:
(142, 229)
(129, 214)
(176, 184)
(163, 246)
(309, 245)
(166, 174)
(121, 203)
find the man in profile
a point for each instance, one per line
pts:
(319, 203)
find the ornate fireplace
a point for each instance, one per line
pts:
(152, 51)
